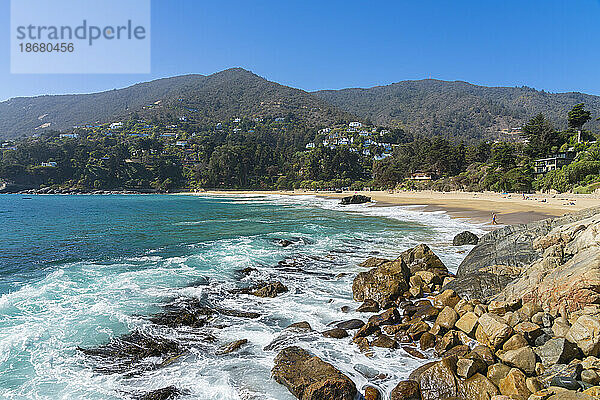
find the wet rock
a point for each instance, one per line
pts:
(355, 199)
(485, 353)
(460, 350)
(465, 238)
(439, 380)
(427, 341)
(585, 332)
(556, 351)
(283, 242)
(248, 270)
(270, 290)
(373, 262)
(384, 341)
(336, 333)
(426, 313)
(363, 346)
(299, 331)
(515, 385)
(384, 284)
(414, 352)
(350, 324)
(369, 305)
(309, 378)
(366, 371)
(406, 390)
(446, 342)
(372, 393)
(367, 330)
(135, 351)
(417, 329)
(231, 347)
(523, 358)
(166, 393)
(302, 326)
(388, 317)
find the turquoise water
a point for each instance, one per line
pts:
(76, 271)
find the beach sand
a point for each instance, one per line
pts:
(476, 206)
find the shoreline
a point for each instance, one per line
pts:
(478, 207)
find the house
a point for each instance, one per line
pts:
(421, 176)
(382, 156)
(355, 125)
(68, 136)
(366, 152)
(279, 119)
(557, 161)
(237, 120)
(49, 164)
(310, 145)
(181, 143)
(325, 130)
(116, 125)
(184, 118)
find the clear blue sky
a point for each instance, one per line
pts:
(546, 44)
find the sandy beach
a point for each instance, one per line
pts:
(510, 208)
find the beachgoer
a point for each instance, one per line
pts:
(494, 222)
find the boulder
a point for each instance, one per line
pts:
(427, 341)
(439, 380)
(384, 284)
(373, 262)
(560, 327)
(309, 378)
(350, 324)
(336, 333)
(585, 332)
(385, 342)
(390, 316)
(467, 323)
(523, 358)
(590, 376)
(369, 305)
(571, 371)
(447, 318)
(514, 385)
(270, 290)
(516, 341)
(477, 387)
(467, 367)
(556, 351)
(497, 372)
(406, 390)
(414, 352)
(233, 346)
(465, 238)
(448, 298)
(494, 331)
(166, 393)
(372, 393)
(355, 199)
(529, 330)
(485, 353)
(421, 258)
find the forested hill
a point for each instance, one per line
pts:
(428, 107)
(456, 109)
(224, 95)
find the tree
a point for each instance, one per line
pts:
(578, 116)
(542, 137)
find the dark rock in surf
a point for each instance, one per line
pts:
(166, 393)
(356, 199)
(231, 347)
(465, 238)
(350, 324)
(270, 290)
(309, 378)
(336, 333)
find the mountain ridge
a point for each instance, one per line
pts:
(453, 109)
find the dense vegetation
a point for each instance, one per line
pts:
(454, 110)
(272, 153)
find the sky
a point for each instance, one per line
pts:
(330, 44)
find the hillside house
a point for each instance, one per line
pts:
(421, 176)
(557, 161)
(49, 164)
(355, 125)
(310, 146)
(116, 125)
(68, 136)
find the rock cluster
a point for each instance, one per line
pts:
(355, 199)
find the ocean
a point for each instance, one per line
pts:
(78, 271)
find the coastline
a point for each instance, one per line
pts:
(478, 207)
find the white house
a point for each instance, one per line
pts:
(237, 120)
(181, 143)
(116, 125)
(366, 152)
(310, 145)
(355, 124)
(69, 135)
(50, 164)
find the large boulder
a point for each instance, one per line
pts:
(309, 378)
(492, 330)
(382, 284)
(515, 385)
(439, 381)
(465, 238)
(406, 390)
(556, 351)
(585, 332)
(422, 258)
(356, 199)
(507, 250)
(477, 387)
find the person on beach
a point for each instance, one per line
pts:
(494, 222)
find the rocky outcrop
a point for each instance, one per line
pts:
(309, 378)
(501, 255)
(383, 284)
(465, 238)
(356, 199)
(567, 276)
